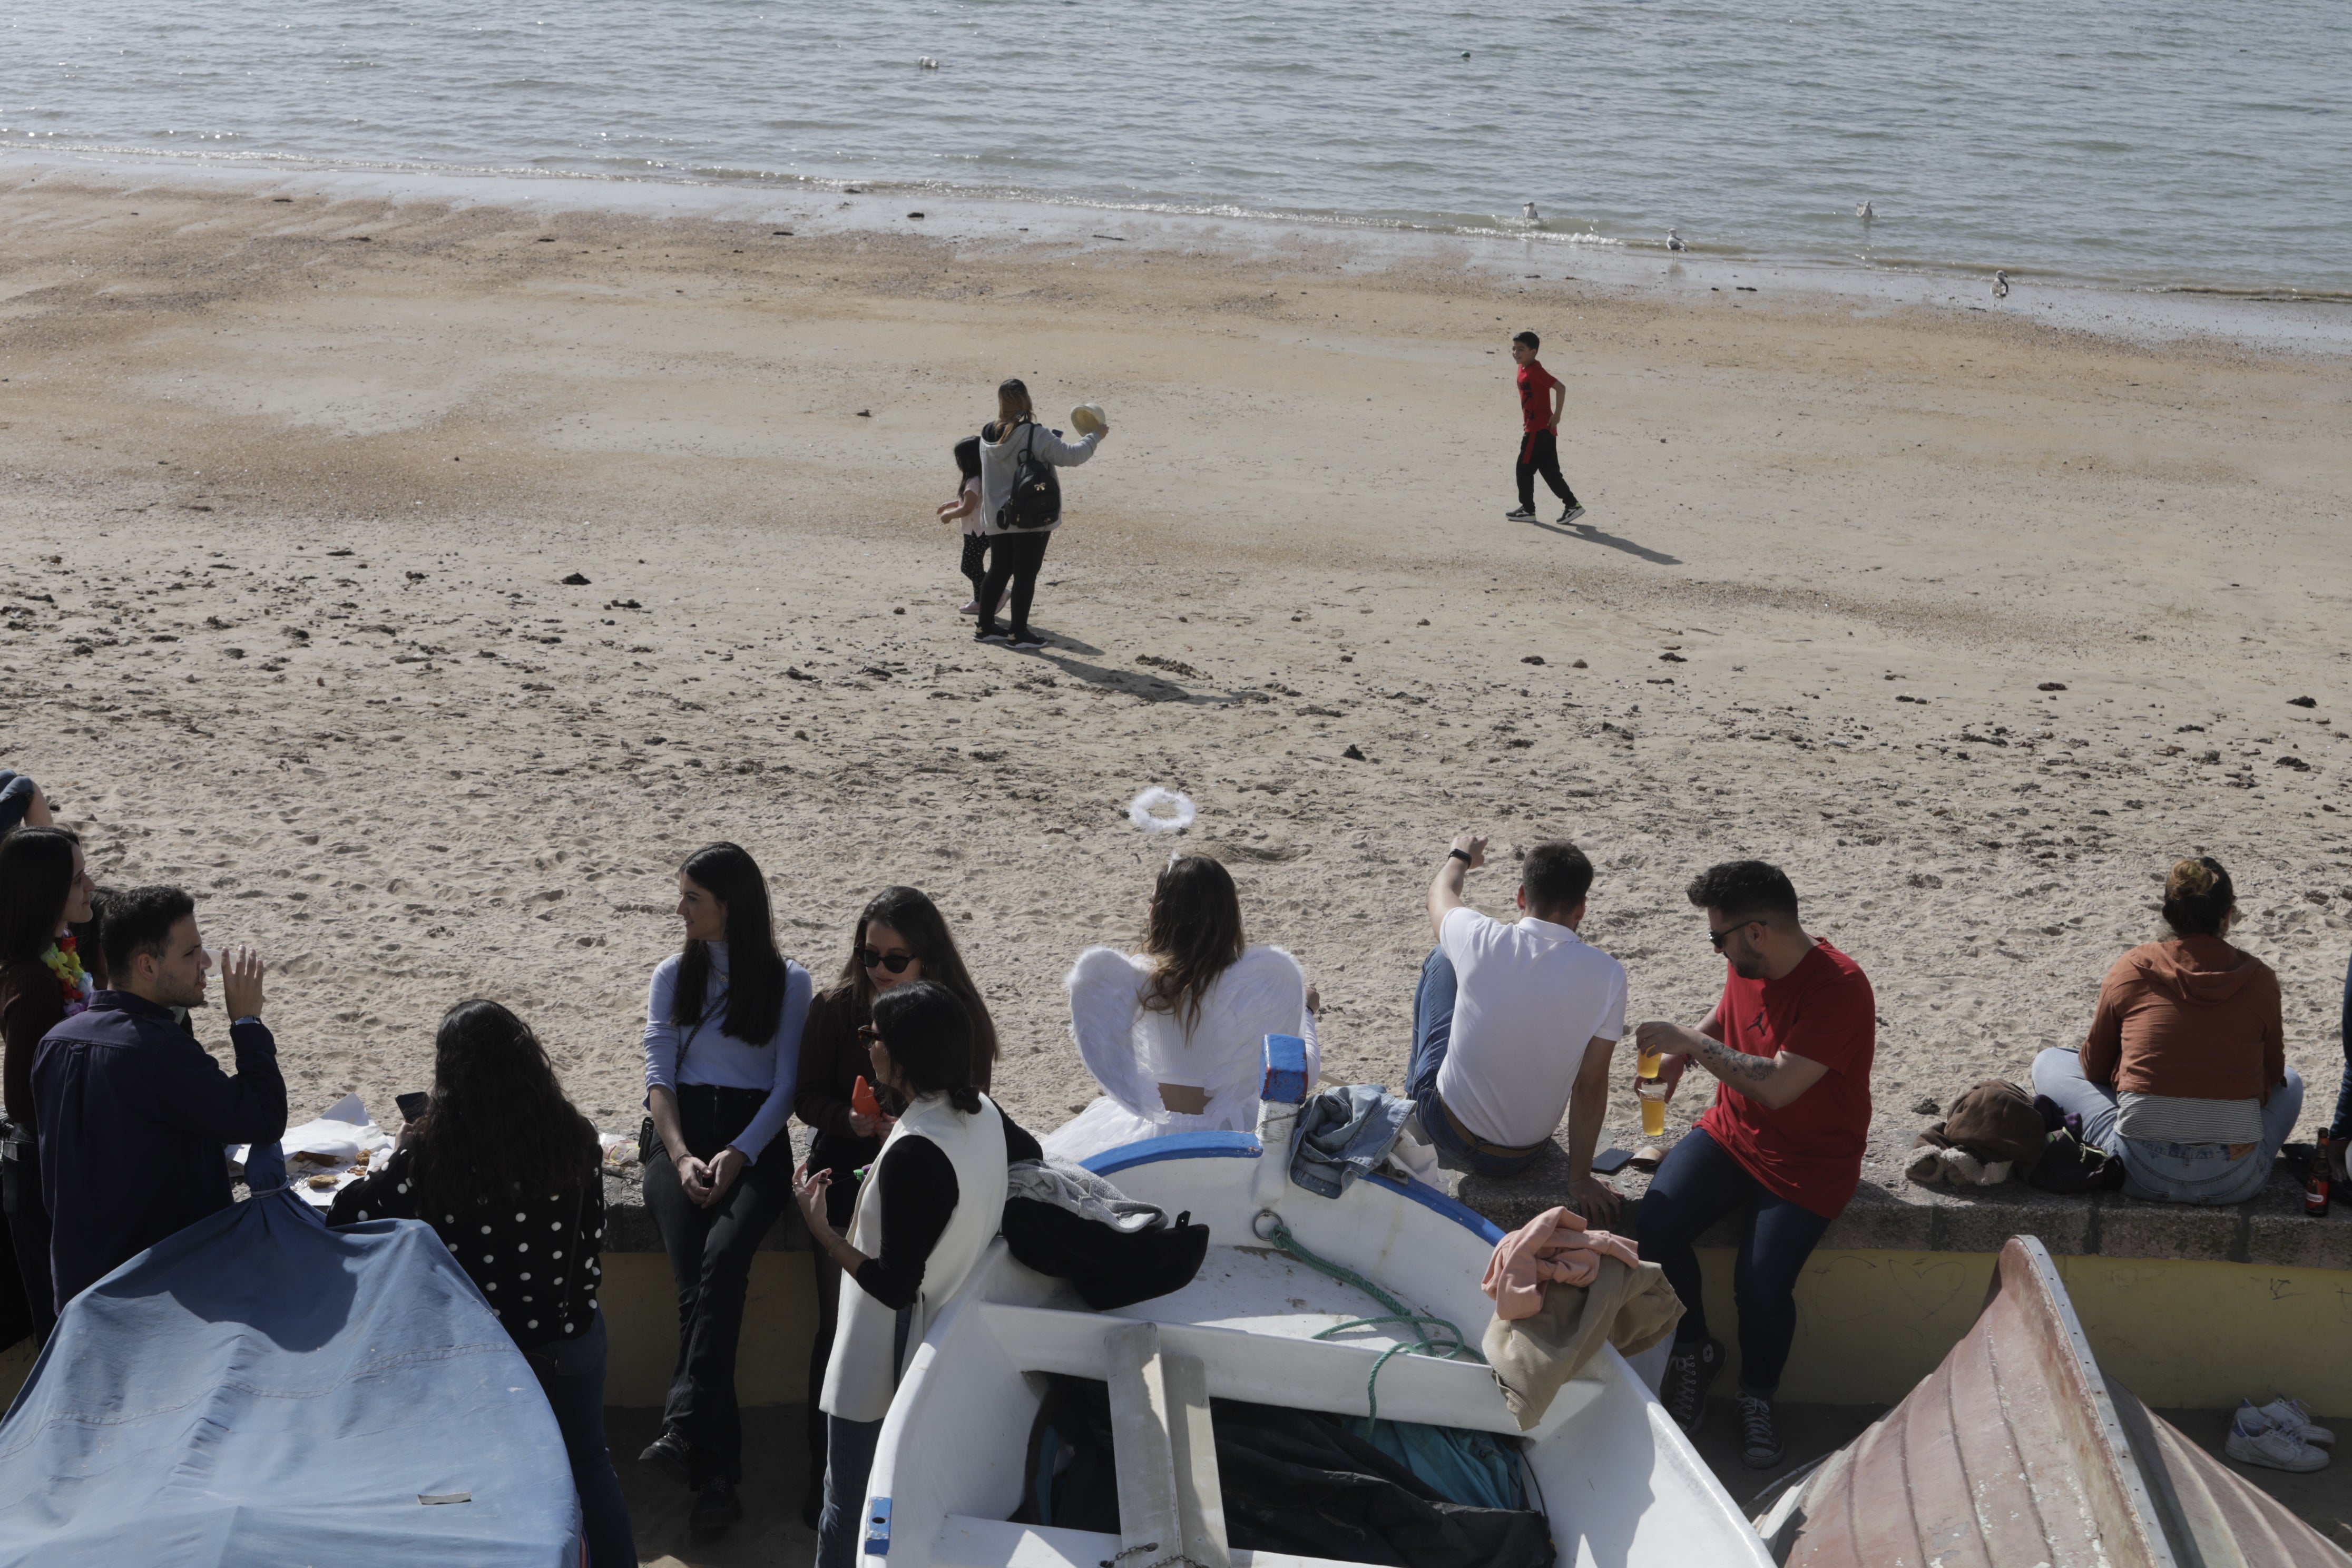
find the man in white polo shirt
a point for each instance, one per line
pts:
(1515, 1024)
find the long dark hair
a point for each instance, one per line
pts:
(1194, 935)
(36, 877)
(927, 1033)
(910, 912)
(755, 969)
(498, 1125)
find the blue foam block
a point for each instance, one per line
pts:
(1285, 1071)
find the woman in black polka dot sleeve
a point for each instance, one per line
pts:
(510, 1177)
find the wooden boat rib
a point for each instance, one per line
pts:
(2017, 1452)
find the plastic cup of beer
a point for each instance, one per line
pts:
(1652, 1088)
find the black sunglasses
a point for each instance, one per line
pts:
(868, 1033)
(874, 958)
(1719, 937)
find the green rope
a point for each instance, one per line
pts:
(1454, 1346)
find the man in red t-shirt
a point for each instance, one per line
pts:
(1791, 1041)
(1541, 398)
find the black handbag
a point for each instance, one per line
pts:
(1036, 497)
(649, 1140)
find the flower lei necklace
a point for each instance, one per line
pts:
(65, 962)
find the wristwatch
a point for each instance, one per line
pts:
(1460, 854)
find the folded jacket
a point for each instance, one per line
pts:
(1552, 1248)
(1995, 1120)
(1344, 1133)
(1630, 1308)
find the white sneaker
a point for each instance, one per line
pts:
(2293, 1414)
(2273, 1448)
(971, 608)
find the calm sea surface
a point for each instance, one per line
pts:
(2154, 144)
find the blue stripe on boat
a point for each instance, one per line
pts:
(1176, 1146)
(1243, 1146)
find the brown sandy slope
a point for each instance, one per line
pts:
(434, 771)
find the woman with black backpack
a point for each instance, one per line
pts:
(1022, 501)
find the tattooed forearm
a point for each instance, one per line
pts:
(1735, 1066)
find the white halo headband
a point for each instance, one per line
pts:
(1143, 811)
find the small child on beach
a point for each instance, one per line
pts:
(965, 509)
(1541, 399)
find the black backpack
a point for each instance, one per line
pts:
(1036, 497)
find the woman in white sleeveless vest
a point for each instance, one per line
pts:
(1176, 1034)
(930, 1204)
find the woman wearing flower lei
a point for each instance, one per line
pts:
(45, 888)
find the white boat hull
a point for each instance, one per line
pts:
(1617, 1479)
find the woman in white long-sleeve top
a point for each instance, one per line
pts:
(1016, 540)
(722, 1056)
(1176, 1034)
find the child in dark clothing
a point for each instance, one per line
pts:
(965, 509)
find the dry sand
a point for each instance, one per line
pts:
(292, 489)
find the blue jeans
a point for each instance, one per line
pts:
(1432, 1031)
(2168, 1173)
(848, 1461)
(1697, 1184)
(572, 1372)
(2342, 1127)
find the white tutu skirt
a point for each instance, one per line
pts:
(1107, 1124)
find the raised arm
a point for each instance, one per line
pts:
(1468, 853)
(1774, 1081)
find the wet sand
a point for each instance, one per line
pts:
(292, 488)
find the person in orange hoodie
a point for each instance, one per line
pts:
(2183, 1076)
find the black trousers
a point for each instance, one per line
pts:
(1539, 454)
(33, 1309)
(1014, 558)
(710, 1252)
(975, 559)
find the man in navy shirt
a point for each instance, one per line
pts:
(134, 1115)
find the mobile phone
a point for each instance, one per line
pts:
(412, 1105)
(1609, 1161)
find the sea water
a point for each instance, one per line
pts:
(2115, 141)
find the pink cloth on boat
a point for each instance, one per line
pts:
(1552, 1248)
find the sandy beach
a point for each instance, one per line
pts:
(1972, 623)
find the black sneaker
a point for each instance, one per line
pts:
(1760, 1444)
(717, 1509)
(1570, 512)
(990, 634)
(1024, 637)
(672, 1455)
(1520, 514)
(1690, 1371)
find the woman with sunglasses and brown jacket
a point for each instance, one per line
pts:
(901, 938)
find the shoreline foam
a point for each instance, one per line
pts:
(2254, 318)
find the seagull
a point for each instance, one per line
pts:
(1674, 241)
(1528, 211)
(927, 63)
(2000, 284)
(1863, 212)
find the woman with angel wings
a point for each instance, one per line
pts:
(1176, 1034)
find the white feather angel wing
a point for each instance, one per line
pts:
(1106, 989)
(1264, 992)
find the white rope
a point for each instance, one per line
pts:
(1143, 811)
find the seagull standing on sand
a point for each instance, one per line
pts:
(1674, 241)
(1528, 211)
(1863, 212)
(2000, 284)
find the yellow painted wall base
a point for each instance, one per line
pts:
(640, 1307)
(1869, 1325)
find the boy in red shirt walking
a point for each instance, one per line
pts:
(1791, 1042)
(1541, 398)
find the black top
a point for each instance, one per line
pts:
(134, 1115)
(535, 1258)
(918, 1193)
